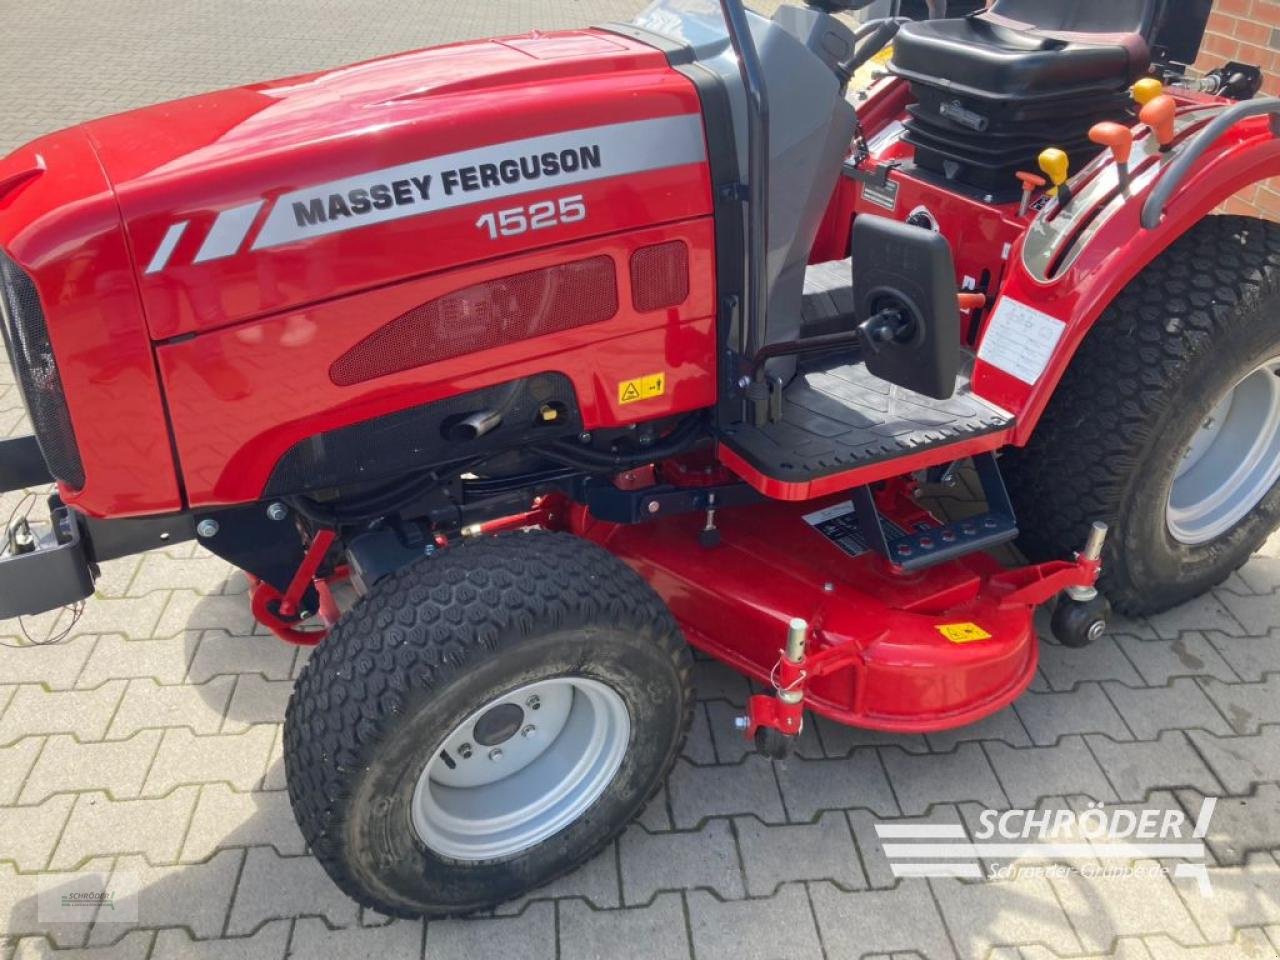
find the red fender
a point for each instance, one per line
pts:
(1246, 154)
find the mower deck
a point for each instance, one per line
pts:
(904, 651)
(837, 416)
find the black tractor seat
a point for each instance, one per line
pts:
(991, 87)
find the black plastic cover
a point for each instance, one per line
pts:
(896, 263)
(53, 575)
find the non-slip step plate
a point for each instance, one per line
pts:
(842, 417)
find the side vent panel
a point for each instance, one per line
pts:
(484, 316)
(660, 276)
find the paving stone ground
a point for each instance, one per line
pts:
(146, 744)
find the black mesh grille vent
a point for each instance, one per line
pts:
(27, 341)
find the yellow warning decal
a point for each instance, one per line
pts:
(963, 632)
(642, 388)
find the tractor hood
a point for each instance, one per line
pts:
(264, 198)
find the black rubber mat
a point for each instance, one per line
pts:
(837, 416)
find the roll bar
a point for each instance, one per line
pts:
(756, 308)
(1153, 209)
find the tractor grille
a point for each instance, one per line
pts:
(26, 338)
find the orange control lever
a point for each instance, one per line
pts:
(1116, 136)
(1119, 139)
(1030, 181)
(972, 301)
(1159, 115)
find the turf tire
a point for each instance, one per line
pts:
(425, 648)
(1193, 323)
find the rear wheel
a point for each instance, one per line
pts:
(483, 722)
(1167, 423)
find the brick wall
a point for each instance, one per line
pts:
(1248, 31)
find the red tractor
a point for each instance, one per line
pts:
(573, 351)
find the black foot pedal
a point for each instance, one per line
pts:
(927, 548)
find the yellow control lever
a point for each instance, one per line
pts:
(1146, 90)
(1056, 166)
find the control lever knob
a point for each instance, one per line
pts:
(1119, 139)
(1057, 166)
(1159, 115)
(1030, 183)
(1146, 90)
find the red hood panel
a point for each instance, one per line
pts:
(260, 199)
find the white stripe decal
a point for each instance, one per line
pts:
(228, 232)
(167, 245)
(507, 169)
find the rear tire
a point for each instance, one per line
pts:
(407, 681)
(1155, 369)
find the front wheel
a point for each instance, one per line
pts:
(483, 722)
(1167, 423)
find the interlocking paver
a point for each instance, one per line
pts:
(920, 781)
(225, 817)
(1064, 667)
(1004, 726)
(780, 927)
(118, 766)
(980, 916)
(195, 896)
(239, 759)
(707, 857)
(1246, 944)
(1135, 769)
(1029, 773)
(100, 826)
(55, 665)
(1191, 654)
(147, 705)
(135, 946)
(656, 930)
(823, 850)
(840, 740)
(20, 898)
(1247, 706)
(1240, 825)
(700, 792)
(1085, 709)
(1136, 903)
(854, 925)
(1203, 613)
(1240, 762)
(16, 762)
(256, 700)
(1243, 896)
(114, 655)
(811, 786)
(219, 653)
(274, 886)
(530, 936)
(1257, 614)
(28, 834)
(35, 710)
(871, 847)
(1251, 658)
(269, 943)
(1179, 706)
(401, 940)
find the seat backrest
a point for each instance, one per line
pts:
(1109, 17)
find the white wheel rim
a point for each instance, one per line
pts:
(521, 768)
(1232, 462)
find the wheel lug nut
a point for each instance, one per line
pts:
(495, 754)
(533, 703)
(464, 751)
(528, 731)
